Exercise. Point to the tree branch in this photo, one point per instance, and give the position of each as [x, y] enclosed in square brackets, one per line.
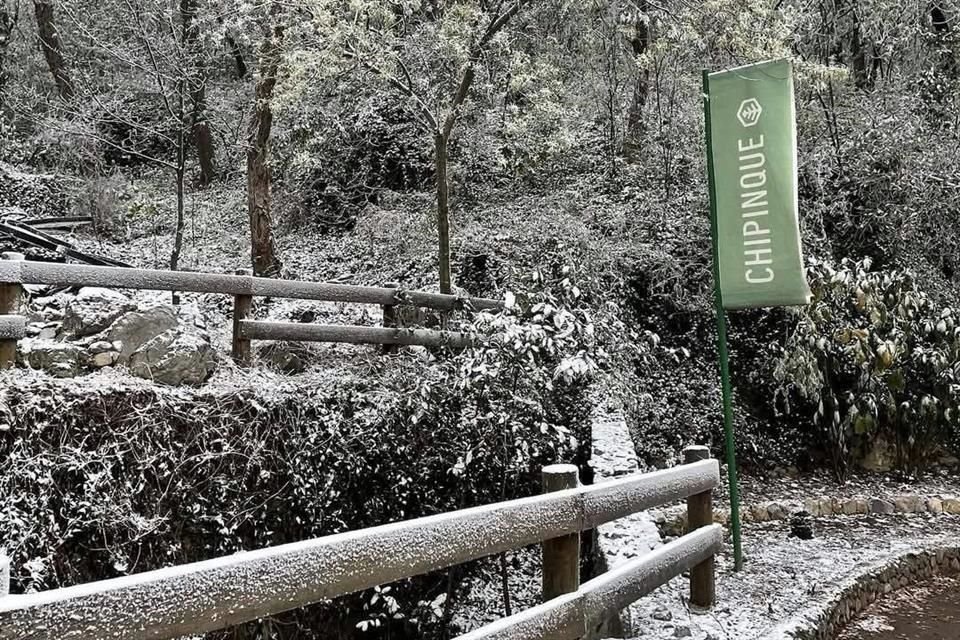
[429, 121]
[476, 51]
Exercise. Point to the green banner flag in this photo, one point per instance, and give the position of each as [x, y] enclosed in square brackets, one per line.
[752, 145]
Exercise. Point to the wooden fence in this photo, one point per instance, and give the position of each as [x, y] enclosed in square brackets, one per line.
[215, 594]
[15, 272]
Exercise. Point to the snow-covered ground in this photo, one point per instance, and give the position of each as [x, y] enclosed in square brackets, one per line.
[783, 577]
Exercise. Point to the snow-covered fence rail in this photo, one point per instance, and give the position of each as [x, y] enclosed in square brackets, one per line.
[215, 594]
[578, 614]
[14, 272]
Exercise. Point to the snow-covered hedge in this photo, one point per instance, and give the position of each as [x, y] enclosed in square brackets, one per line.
[109, 475]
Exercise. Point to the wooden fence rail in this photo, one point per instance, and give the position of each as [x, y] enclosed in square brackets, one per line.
[214, 594]
[577, 614]
[15, 272]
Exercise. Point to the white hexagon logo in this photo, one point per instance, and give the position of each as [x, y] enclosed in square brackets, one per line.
[749, 112]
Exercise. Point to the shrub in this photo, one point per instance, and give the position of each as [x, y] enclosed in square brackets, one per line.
[873, 353]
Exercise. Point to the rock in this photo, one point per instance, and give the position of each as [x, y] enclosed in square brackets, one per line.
[59, 359]
[881, 506]
[812, 506]
[801, 525]
[99, 346]
[43, 330]
[175, 357]
[101, 354]
[949, 461]
[134, 329]
[906, 504]
[855, 506]
[934, 505]
[287, 357]
[759, 513]
[662, 614]
[881, 457]
[682, 631]
[92, 310]
[951, 506]
[49, 331]
[776, 511]
[826, 507]
[105, 359]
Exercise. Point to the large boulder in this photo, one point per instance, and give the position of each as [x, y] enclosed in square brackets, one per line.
[92, 310]
[60, 359]
[175, 357]
[136, 328]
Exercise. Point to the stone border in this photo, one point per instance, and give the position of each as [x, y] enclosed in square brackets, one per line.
[856, 594]
[673, 521]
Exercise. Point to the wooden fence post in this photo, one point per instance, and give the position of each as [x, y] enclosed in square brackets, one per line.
[561, 556]
[700, 514]
[4, 575]
[390, 317]
[9, 305]
[242, 303]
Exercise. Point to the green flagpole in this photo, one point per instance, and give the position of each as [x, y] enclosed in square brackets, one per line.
[722, 344]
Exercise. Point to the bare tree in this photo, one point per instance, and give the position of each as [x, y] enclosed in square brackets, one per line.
[440, 124]
[637, 19]
[150, 47]
[259, 176]
[9, 16]
[197, 80]
[52, 47]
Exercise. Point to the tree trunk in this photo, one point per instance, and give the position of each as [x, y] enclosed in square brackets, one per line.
[179, 174]
[196, 72]
[52, 48]
[202, 138]
[443, 210]
[8, 20]
[859, 57]
[263, 250]
[237, 54]
[639, 44]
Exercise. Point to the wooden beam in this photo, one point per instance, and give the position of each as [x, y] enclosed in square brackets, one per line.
[577, 614]
[260, 330]
[700, 514]
[83, 275]
[12, 327]
[561, 556]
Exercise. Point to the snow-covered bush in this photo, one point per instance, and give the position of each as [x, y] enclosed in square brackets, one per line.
[873, 353]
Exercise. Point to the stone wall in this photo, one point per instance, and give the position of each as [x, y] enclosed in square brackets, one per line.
[626, 538]
[856, 594]
[673, 521]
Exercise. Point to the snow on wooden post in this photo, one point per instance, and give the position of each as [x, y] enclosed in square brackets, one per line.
[390, 317]
[242, 303]
[700, 514]
[4, 575]
[9, 305]
[561, 556]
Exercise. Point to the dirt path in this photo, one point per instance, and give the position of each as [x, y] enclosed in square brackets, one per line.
[928, 611]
